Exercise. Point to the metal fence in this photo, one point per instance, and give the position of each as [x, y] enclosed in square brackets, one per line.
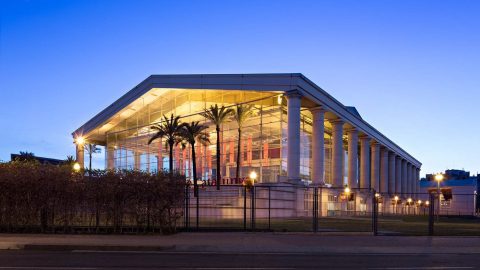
[290, 208]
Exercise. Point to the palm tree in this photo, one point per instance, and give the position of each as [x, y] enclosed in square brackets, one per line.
[241, 114]
[218, 116]
[171, 129]
[91, 149]
[70, 160]
[25, 156]
[195, 132]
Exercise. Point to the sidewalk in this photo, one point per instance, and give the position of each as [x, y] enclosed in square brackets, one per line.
[243, 242]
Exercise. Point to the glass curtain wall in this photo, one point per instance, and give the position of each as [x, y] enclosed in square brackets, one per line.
[263, 143]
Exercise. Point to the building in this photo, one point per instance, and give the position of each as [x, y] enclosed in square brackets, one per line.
[41, 160]
[459, 192]
[299, 133]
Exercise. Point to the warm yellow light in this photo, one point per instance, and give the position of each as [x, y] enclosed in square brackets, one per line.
[377, 195]
[347, 190]
[76, 167]
[79, 140]
[439, 177]
[409, 200]
[396, 198]
[427, 202]
[419, 201]
[279, 100]
[253, 175]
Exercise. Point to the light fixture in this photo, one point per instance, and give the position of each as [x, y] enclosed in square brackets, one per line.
[409, 200]
[347, 190]
[79, 140]
[377, 195]
[427, 202]
[76, 167]
[279, 99]
[253, 175]
[438, 177]
[396, 198]
[419, 201]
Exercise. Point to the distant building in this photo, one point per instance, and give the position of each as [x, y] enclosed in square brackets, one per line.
[42, 160]
[459, 192]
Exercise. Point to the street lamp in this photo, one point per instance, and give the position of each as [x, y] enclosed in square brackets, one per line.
[438, 178]
[396, 202]
[253, 176]
[409, 203]
[76, 167]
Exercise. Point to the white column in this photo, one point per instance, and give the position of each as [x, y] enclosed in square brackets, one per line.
[136, 160]
[364, 162]
[417, 184]
[391, 172]
[80, 154]
[398, 175]
[404, 178]
[337, 152]
[110, 157]
[352, 158]
[293, 133]
[409, 179]
[375, 166]
[384, 170]
[318, 146]
[412, 180]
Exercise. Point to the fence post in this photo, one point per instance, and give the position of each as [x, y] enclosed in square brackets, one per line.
[431, 214]
[197, 220]
[244, 208]
[187, 208]
[315, 209]
[252, 210]
[269, 208]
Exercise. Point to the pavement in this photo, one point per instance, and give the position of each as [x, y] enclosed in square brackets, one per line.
[245, 242]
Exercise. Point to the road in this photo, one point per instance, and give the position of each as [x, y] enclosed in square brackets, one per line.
[103, 260]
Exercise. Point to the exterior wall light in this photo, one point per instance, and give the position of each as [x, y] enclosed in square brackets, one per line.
[79, 140]
[76, 167]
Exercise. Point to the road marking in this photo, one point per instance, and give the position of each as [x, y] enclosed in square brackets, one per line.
[425, 268]
[48, 268]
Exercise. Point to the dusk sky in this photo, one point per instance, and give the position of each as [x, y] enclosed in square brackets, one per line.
[411, 68]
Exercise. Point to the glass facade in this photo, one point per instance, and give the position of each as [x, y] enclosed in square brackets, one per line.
[263, 143]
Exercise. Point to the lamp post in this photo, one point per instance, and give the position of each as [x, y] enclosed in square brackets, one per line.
[347, 195]
[253, 177]
[409, 203]
[438, 178]
[396, 202]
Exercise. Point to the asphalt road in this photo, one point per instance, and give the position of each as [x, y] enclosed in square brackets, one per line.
[91, 260]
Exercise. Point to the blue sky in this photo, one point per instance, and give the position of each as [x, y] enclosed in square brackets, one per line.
[410, 67]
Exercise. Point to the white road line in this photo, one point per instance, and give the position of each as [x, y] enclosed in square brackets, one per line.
[424, 268]
[48, 268]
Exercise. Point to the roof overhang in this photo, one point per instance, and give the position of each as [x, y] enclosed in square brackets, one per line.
[282, 82]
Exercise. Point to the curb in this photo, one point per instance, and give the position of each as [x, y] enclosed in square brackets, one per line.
[36, 247]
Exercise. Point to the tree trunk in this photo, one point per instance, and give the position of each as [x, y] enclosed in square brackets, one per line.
[170, 162]
[219, 176]
[239, 155]
[194, 172]
[90, 163]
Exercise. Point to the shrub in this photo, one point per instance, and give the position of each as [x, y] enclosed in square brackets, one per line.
[36, 197]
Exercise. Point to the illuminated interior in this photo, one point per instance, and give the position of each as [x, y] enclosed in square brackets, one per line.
[263, 143]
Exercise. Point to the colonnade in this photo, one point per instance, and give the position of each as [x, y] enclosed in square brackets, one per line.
[376, 166]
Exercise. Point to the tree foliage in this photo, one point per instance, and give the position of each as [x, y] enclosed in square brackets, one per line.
[36, 197]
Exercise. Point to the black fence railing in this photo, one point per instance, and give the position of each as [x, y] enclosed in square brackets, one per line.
[293, 208]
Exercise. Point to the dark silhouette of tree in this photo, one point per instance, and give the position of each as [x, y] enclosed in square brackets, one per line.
[25, 156]
[170, 129]
[70, 160]
[241, 114]
[195, 132]
[218, 116]
[91, 149]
